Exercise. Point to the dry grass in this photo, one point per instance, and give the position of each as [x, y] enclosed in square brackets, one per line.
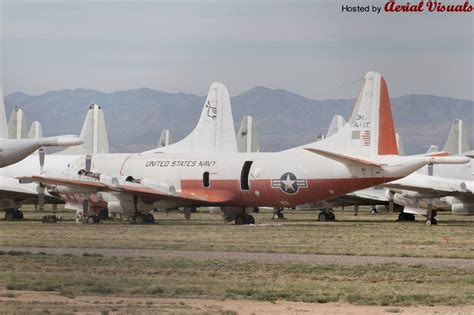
[388, 284]
[362, 235]
[384, 284]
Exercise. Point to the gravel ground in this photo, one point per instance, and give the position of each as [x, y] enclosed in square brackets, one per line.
[267, 258]
[27, 302]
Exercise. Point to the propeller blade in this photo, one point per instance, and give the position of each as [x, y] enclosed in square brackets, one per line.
[41, 155]
[88, 163]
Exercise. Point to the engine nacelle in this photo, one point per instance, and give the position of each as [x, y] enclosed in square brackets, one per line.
[463, 208]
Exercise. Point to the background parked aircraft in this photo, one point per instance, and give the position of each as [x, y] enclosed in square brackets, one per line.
[14, 145]
[14, 195]
[440, 187]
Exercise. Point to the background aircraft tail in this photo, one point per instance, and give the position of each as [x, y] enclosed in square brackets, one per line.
[215, 129]
[36, 131]
[458, 139]
[247, 138]
[370, 131]
[17, 124]
[337, 122]
[165, 138]
[3, 117]
[93, 133]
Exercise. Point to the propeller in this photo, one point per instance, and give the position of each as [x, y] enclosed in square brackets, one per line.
[40, 187]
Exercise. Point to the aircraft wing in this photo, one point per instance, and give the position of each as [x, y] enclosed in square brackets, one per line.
[433, 186]
[149, 194]
[24, 195]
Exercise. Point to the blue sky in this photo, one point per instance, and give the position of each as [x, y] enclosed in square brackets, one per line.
[308, 47]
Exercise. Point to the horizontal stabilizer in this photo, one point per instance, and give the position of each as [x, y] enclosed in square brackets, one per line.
[343, 158]
[447, 159]
[61, 141]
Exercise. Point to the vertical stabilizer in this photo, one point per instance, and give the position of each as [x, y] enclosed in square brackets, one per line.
[165, 138]
[215, 129]
[3, 117]
[36, 131]
[93, 133]
[458, 139]
[337, 122]
[247, 138]
[370, 131]
[17, 124]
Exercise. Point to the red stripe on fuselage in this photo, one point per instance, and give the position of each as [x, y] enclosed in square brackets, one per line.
[261, 192]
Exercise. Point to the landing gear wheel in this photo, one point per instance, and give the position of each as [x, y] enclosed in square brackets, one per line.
[103, 214]
[240, 219]
[322, 216]
[326, 216]
[49, 219]
[251, 219]
[431, 221]
[13, 214]
[150, 218]
[278, 214]
[402, 216]
[9, 215]
[139, 219]
[332, 216]
[92, 219]
[373, 210]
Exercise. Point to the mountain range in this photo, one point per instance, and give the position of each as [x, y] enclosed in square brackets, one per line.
[135, 118]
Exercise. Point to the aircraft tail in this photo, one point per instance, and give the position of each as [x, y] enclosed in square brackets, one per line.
[215, 129]
[36, 131]
[3, 117]
[370, 132]
[17, 124]
[94, 134]
[337, 122]
[458, 139]
[165, 139]
[247, 138]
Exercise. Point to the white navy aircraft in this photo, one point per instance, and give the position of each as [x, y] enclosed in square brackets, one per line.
[361, 154]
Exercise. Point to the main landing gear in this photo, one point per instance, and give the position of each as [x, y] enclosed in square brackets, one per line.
[244, 218]
[13, 214]
[93, 219]
[278, 213]
[326, 215]
[143, 218]
[406, 217]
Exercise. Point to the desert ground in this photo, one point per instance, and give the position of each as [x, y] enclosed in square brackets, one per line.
[365, 264]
